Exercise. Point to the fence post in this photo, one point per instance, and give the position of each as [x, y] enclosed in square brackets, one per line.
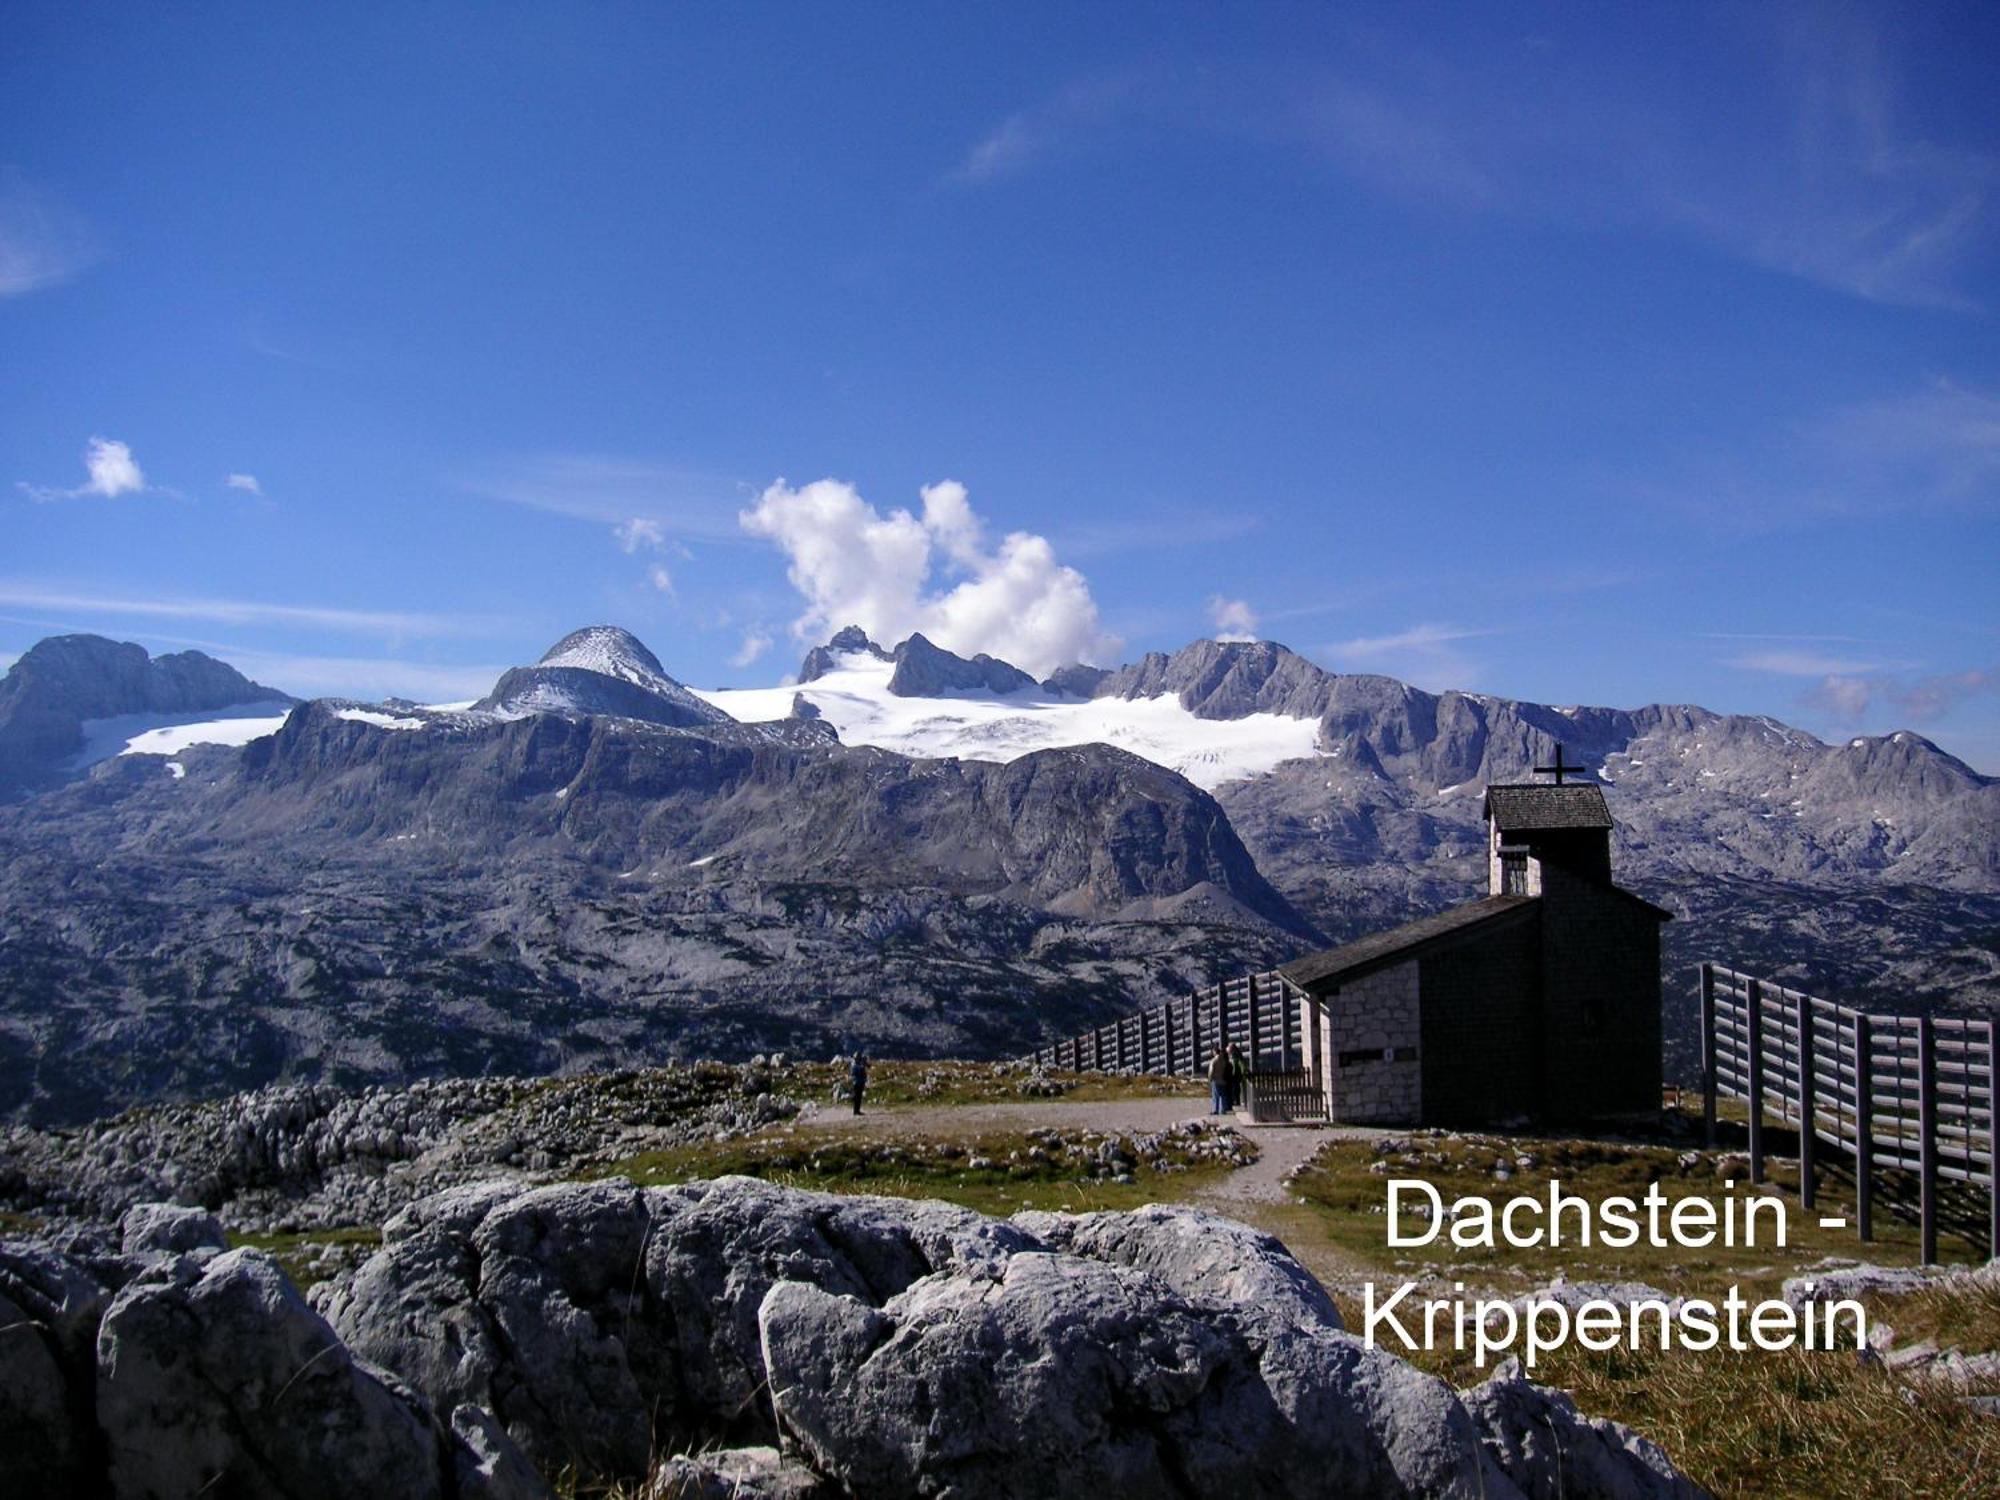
[1927, 1129]
[1251, 1059]
[1993, 1134]
[1864, 1126]
[1708, 1074]
[1756, 1080]
[1807, 1100]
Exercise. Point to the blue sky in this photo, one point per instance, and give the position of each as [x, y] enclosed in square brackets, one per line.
[1564, 352]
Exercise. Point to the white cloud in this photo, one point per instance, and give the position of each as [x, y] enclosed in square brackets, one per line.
[1426, 655]
[637, 532]
[1911, 700]
[755, 644]
[857, 566]
[238, 612]
[1234, 619]
[43, 243]
[245, 482]
[660, 579]
[111, 471]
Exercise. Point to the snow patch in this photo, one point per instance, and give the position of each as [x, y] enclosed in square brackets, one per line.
[856, 700]
[176, 770]
[379, 719]
[170, 734]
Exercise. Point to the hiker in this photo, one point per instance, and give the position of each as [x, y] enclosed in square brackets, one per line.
[858, 1079]
[1239, 1077]
[1218, 1082]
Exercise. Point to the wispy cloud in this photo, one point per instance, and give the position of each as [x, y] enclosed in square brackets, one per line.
[1906, 699]
[239, 612]
[641, 501]
[1428, 655]
[1793, 663]
[110, 471]
[1938, 444]
[1162, 529]
[1233, 619]
[1045, 129]
[1821, 174]
[245, 482]
[756, 642]
[43, 242]
[1935, 449]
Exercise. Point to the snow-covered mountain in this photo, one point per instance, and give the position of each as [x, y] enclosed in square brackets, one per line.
[74, 700]
[599, 669]
[864, 692]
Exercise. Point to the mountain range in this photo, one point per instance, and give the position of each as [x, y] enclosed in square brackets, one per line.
[205, 885]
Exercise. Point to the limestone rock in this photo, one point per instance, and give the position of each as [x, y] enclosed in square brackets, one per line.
[217, 1378]
[1073, 1377]
[737, 1474]
[596, 1320]
[1553, 1452]
[1213, 1262]
[171, 1229]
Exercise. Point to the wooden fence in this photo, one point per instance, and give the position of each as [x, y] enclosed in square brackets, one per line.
[1257, 1012]
[1915, 1094]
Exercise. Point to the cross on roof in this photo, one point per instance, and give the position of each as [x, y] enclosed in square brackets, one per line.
[1559, 769]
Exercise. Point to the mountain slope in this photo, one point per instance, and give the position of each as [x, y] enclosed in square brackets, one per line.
[365, 895]
[66, 683]
[600, 669]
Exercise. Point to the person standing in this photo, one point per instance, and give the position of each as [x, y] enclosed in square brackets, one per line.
[1239, 1078]
[1218, 1082]
[858, 1079]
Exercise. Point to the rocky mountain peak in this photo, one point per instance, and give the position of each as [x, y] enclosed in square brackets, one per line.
[924, 670]
[609, 649]
[63, 682]
[600, 669]
[848, 641]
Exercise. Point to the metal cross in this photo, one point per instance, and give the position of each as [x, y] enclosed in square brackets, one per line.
[1559, 768]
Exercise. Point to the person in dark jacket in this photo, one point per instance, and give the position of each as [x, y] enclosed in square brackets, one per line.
[1239, 1078]
[1218, 1082]
[858, 1079]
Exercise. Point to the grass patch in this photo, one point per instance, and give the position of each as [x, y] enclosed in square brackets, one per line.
[993, 1171]
[1347, 1183]
[1792, 1424]
[305, 1257]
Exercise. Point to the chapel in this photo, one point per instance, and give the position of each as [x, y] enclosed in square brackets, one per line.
[1540, 1001]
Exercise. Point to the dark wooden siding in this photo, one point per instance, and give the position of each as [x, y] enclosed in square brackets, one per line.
[1480, 1027]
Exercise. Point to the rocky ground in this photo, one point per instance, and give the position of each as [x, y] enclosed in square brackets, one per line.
[735, 1337]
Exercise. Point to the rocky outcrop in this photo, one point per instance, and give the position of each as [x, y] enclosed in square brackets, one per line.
[62, 681]
[737, 1338]
[600, 669]
[924, 670]
[170, 1229]
[159, 1374]
[1553, 1452]
[845, 642]
[598, 1320]
[903, 1348]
